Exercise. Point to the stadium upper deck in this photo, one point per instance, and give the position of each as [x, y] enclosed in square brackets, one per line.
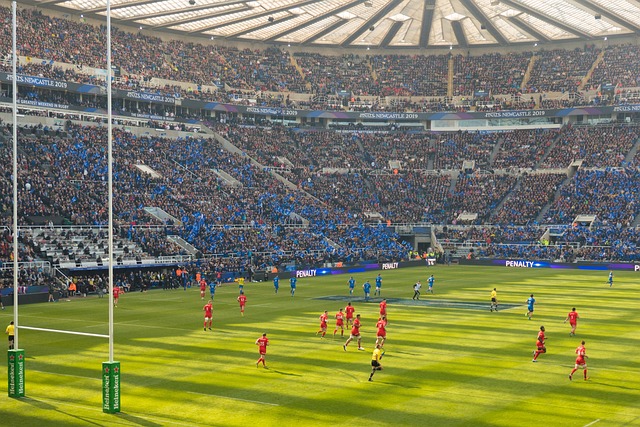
[73, 51]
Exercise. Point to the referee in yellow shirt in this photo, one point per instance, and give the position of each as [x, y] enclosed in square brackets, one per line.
[375, 360]
[494, 300]
[11, 330]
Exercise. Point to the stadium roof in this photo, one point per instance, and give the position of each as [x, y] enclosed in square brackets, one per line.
[375, 23]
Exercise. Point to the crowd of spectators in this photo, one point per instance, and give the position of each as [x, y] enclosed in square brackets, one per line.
[72, 184]
[389, 175]
[413, 196]
[491, 73]
[526, 202]
[609, 194]
[620, 67]
[229, 74]
[415, 75]
[452, 148]
[480, 194]
[323, 216]
[597, 146]
[560, 70]
[523, 148]
[333, 74]
[566, 101]
[570, 243]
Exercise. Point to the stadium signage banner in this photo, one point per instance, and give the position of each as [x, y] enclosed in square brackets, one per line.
[54, 105]
[389, 116]
[355, 268]
[146, 97]
[152, 117]
[626, 109]
[53, 84]
[313, 272]
[515, 114]
[24, 80]
[593, 266]
[389, 265]
[43, 104]
[268, 111]
[521, 264]
[35, 81]
[16, 373]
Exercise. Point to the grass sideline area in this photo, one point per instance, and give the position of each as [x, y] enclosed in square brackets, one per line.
[445, 365]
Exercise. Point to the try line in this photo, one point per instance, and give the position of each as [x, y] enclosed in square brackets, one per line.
[591, 423]
[234, 398]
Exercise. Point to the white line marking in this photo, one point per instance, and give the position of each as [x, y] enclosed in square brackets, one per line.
[234, 398]
[63, 332]
[64, 375]
[591, 423]
[62, 403]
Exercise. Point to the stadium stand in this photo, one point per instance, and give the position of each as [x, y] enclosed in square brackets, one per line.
[257, 193]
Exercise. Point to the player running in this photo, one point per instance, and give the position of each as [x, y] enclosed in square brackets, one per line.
[494, 300]
[203, 288]
[293, 281]
[242, 299]
[208, 314]
[262, 344]
[383, 308]
[116, 295]
[339, 323]
[212, 289]
[324, 317]
[430, 281]
[349, 310]
[381, 335]
[355, 334]
[580, 362]
[378, 286]
[610, 280]
[367, 290]
[540, 345]
[352, 285]
[572, 317]
[276, 283]
[530, 302]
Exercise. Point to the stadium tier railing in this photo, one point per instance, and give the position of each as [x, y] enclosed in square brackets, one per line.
[45, 266]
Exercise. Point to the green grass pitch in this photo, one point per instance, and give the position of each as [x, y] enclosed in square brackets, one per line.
[446, 364]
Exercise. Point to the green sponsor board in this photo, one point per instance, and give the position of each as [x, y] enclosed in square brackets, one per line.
[110, 387]
[16, 373]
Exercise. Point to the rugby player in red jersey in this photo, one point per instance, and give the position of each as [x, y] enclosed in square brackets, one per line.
[203, 288]
[540, 345]
[324, 317]
[262, 344]
[349, 310]
[580, 361]
[355, 334]
[383, 308]
[339, 323]
[116, 295]
[242, 299]
[381, 336]
[208, 316]
[572, 317]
